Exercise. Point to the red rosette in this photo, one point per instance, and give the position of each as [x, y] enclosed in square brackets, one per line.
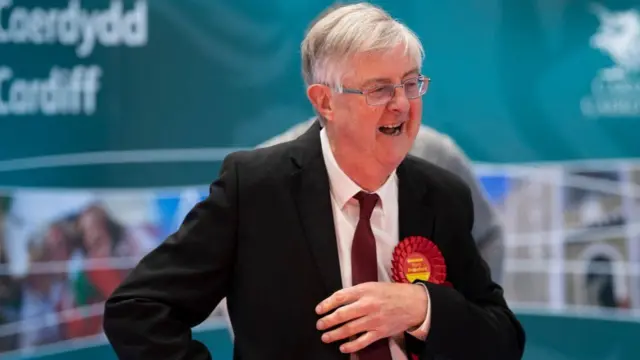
[418, 258]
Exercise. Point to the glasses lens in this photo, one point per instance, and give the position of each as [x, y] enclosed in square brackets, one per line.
[414, 88]
[380, 95]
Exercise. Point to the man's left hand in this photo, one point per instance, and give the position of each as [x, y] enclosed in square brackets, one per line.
[375, 310]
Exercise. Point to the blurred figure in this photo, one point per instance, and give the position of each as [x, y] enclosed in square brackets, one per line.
[46, 290]
[441, 150]
[10, 296]
[102, 236]
[100, 240]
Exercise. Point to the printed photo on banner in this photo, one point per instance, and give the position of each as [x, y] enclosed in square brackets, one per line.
[596, 240]
[62, 253]
[572, 233]
[527, 200]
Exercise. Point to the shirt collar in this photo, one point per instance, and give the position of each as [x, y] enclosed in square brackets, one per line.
[342, 187]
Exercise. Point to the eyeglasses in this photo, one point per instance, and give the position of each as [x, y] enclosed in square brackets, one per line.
[382, 94]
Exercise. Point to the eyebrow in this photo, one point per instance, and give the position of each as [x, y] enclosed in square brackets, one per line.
[415, 71]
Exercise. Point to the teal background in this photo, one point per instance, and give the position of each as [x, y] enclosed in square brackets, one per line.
[225, 74]
[508, 77]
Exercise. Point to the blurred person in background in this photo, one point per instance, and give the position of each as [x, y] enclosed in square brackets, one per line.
[292, 232]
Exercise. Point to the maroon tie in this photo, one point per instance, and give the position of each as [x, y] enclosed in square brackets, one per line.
[364, 267]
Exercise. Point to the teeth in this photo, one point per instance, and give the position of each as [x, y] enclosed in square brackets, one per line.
[392, 130]
[391, 126]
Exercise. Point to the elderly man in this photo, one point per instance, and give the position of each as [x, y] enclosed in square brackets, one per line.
[335, 245]
[440, 149]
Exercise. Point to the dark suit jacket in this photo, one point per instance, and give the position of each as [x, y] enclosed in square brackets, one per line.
[265, 239]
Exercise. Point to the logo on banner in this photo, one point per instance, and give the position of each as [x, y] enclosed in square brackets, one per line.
[615, 91]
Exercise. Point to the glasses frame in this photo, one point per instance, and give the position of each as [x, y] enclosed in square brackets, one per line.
[426, 82]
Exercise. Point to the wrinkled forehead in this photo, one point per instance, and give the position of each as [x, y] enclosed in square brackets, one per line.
[388, 66]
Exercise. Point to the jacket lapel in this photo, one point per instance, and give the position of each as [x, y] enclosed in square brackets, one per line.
[310, 187]
[416, 218]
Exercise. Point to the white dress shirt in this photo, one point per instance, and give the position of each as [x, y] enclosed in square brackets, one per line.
[384, 223]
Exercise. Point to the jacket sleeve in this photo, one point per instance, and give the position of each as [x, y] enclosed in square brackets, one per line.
[472, 320]
[178, 284]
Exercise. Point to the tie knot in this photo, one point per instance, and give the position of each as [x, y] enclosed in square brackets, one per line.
[367, 203]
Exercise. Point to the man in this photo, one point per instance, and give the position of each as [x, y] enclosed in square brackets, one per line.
[441, 150]
[300, 236]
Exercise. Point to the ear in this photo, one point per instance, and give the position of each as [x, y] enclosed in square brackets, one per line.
[320, 97]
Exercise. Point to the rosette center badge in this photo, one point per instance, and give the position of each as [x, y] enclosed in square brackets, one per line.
[418, 258]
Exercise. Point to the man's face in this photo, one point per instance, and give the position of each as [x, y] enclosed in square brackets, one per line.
[361, 129]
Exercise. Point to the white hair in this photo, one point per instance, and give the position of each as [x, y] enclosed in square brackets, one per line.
[343, 31]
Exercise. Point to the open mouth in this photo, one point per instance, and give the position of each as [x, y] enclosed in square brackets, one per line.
[392, 130]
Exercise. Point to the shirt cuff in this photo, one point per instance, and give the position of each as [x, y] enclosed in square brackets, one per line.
[423, 330]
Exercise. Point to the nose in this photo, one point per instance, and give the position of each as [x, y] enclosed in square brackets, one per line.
[399, 103]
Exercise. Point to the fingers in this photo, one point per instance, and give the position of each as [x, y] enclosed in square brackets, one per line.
[351, 328]
[360, 343]
[358, 313]
[343, 315]
[339, 298]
